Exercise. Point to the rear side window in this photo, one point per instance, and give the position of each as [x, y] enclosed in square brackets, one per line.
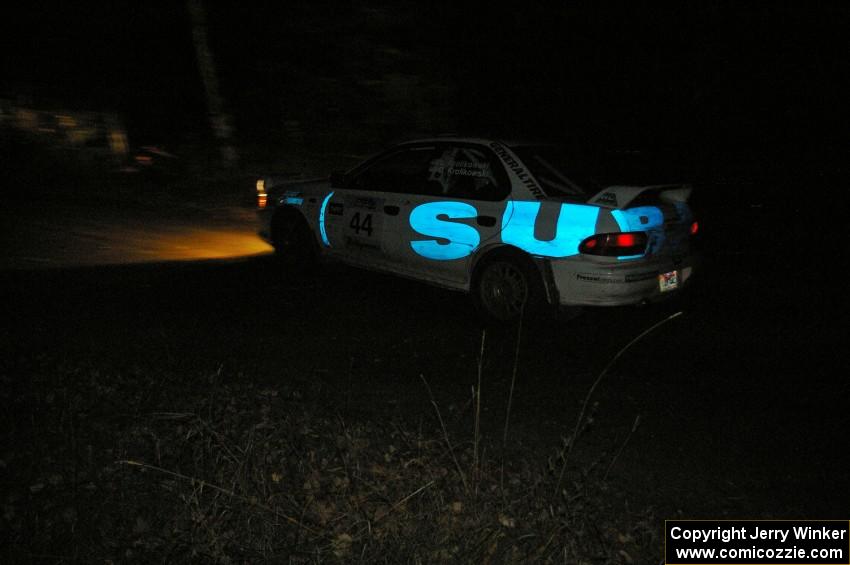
[467, 172]
[559, 175]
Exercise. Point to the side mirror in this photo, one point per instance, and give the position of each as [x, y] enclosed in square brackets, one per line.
[338, 179]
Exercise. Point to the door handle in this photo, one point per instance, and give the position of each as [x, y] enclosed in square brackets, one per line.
[391, 210]
[486, 221]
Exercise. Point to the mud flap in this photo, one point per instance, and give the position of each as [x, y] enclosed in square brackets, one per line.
[544, 266]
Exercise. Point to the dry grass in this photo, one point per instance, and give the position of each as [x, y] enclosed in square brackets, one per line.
[164, 467]
[245, 475]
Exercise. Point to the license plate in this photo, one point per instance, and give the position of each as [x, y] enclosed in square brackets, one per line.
[668, 281]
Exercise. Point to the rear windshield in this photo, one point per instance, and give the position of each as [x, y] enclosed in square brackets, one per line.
[578, 176]
[558, 175]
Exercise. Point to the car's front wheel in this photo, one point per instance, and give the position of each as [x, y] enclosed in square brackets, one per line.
[505, 288]
[294, 245]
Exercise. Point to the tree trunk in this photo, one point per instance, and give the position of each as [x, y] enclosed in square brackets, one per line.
[220, 122]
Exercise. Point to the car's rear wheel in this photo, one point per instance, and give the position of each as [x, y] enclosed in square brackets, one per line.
[294, 245]
[506, 287]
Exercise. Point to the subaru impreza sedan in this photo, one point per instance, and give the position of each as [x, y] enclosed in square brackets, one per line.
[517, 226]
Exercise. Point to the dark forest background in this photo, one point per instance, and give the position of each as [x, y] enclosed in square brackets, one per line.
[726, 86]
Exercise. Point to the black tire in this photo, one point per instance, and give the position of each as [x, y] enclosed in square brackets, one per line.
[294, 244]
[505, 287]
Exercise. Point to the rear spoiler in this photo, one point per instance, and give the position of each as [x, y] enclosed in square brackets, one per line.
[622, 196]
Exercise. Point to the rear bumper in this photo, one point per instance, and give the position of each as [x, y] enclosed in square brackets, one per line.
[581, 282]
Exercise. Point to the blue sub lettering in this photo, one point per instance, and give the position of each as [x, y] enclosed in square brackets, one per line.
[575, 223]
[432, 219]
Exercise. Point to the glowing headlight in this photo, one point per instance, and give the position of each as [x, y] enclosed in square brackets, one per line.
[262, 197]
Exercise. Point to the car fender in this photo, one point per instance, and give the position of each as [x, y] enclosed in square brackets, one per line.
[541, 264]
[284, 212]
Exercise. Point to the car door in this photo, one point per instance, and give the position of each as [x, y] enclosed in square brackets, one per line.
[361, 218]
[457, 209]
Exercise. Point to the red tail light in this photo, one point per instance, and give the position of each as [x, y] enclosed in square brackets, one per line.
[614, 244]
[694, 228]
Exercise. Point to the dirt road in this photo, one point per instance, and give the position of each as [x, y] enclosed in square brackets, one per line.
[56, 234]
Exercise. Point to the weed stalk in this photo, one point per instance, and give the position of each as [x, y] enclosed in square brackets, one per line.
[446, 435]
[476, 463]
[599, 378]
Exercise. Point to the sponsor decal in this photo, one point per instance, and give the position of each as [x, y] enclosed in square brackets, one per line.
[448, 231]
[517, 170]
[584, 277]
[292, 200]
[589, 277]
[641, 218]
[469, 169]
[361, 243]
[367, 203]
[609, 198]
[575, 223]
[456, 240]
[637, 277]
[466, 172]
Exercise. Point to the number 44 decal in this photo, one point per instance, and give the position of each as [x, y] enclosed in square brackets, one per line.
[365, 225]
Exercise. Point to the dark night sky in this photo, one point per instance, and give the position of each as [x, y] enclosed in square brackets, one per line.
[706, 77]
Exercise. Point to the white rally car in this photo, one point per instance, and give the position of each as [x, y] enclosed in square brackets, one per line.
[516, 225]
